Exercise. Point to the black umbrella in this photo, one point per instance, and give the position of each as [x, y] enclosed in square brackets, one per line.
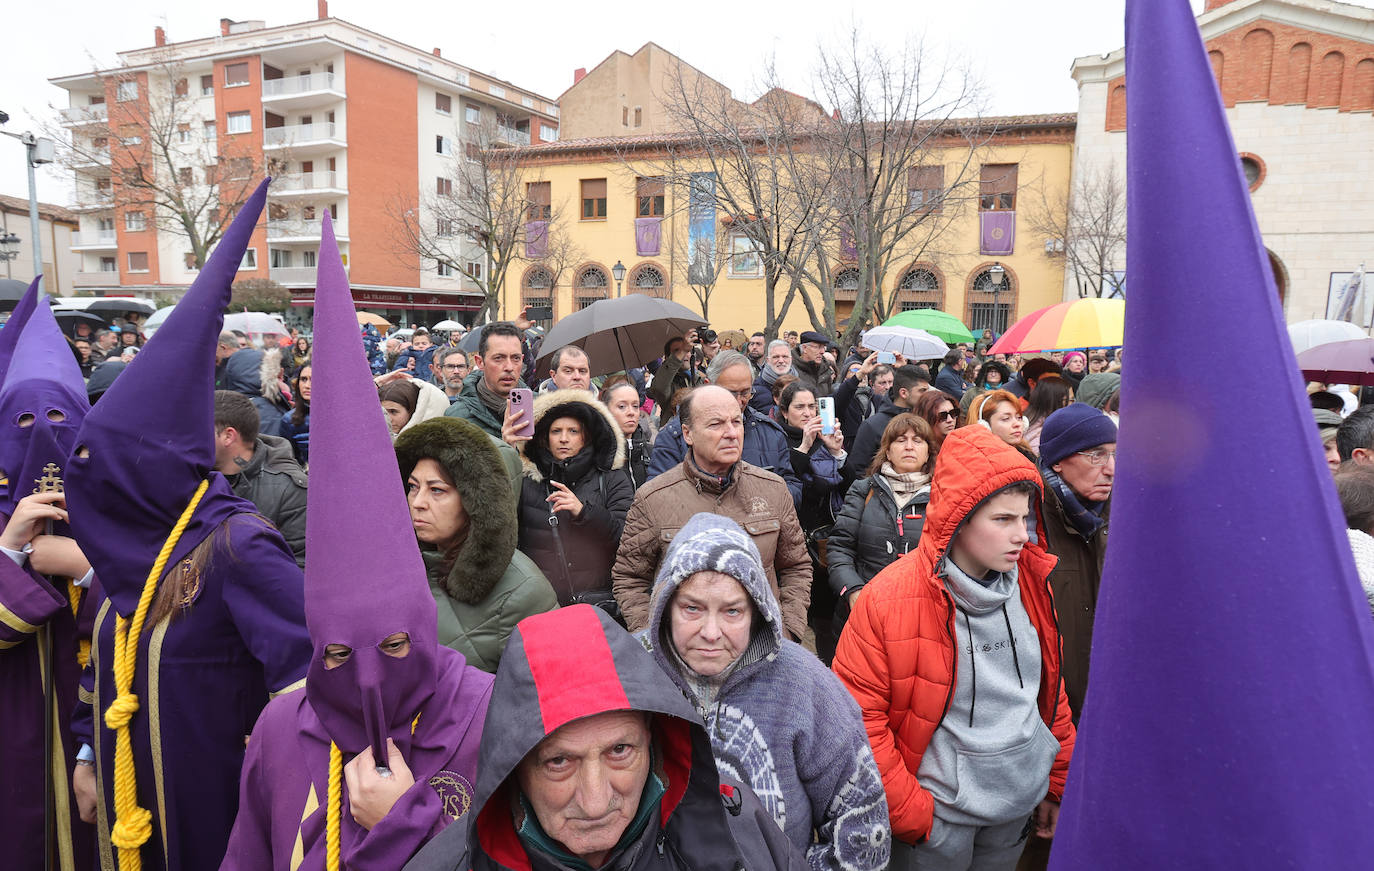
[11, 289]
[469, 342]
[622, 333]
[68, 318]
[114, 305]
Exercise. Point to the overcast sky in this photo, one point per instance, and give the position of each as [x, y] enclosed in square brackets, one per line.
[1021, 49]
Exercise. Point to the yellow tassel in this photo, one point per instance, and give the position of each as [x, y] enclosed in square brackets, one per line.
[133, 824]
[333, 808]
[83, 648]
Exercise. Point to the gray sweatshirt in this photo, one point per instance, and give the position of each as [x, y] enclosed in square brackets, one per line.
[989, 761]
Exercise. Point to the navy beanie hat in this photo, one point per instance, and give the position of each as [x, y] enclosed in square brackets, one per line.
[1075, 427]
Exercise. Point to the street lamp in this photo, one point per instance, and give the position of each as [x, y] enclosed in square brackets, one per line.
[997, 276]
[38, 151]
[9, 247]
[618, 270]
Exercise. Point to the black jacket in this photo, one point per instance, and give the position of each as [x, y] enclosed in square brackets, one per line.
[275, 483]
[866, 538]
[869, 437]
[638, 448]
[575, 552]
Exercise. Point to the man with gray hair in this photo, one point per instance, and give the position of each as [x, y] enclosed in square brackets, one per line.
[449, 368]
[765, 444]
[225, 347]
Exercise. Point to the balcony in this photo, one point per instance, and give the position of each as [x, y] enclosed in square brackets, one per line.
[91, 159]
[301, 92]
[102, 240]
[512, 136]
[303, 231]
[79, 116]
[294, 276]
[95, 279]
[91, 201]
[304, 139]
[308, 184]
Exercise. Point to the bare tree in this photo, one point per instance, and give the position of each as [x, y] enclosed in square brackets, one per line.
[904, 150]
[166, 158]
[259, 294]
[1086, 225]
[486, 209]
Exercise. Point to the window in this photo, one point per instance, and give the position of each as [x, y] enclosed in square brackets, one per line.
[240, 122]
[308, 258]
[211, 174]
[183, 133]
[126, 91]
[744, 257]
[235, 75]
[649, 197]
[639, 116]
[181, 88]
[649, 280]
[105, 225]
[445, 270]
[210, 130]
[474, 269]
[130, 134]
[847, 280]
[925, 188]
[443, 145]
[527, 102]
[443, 186]
[624, 116]
[138, 261]
[593, 199]
[547, 133]
[443, 227]
[592, 285]
[538, 290]
[539, 194]
[919, 288]
[443, 104]
[135, 222]
[107, 264]
[188, 261]
[278, 258]
[990, 303]
[207, 86]
[497, 91]
[997, 187]
[472, 152]
[473, 114]
[185, 177]
[250, 259]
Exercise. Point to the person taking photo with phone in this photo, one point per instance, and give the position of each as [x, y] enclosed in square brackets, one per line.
[486, 391]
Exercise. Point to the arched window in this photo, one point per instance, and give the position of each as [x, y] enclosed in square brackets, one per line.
[990, 303]
[919, 287]
[647, 278]
[592, 285]
[537, 291]
[847, 282]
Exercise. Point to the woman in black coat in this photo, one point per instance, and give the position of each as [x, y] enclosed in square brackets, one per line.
[623, 401]
[574, 495]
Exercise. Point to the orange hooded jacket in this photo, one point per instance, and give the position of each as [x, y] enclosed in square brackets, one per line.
[897, 653]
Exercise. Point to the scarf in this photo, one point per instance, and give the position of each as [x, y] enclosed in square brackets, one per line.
[905, 485]
[495, 402]
[1087, 519]
[769, 376]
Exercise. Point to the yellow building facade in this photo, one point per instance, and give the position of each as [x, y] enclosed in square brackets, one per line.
[599, 198]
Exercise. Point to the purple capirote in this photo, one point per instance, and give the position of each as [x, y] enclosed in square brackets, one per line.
[1229, 719]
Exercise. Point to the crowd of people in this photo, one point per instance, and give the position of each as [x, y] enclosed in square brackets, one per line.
[374, 605]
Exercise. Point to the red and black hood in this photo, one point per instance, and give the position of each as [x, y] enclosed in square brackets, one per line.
[562, 666]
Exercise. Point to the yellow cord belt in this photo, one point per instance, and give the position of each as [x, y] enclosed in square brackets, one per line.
[133, 824]
[334, 810]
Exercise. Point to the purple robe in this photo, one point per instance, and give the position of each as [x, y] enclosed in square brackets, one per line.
[36, 616]
[285, 786]
[203, 677]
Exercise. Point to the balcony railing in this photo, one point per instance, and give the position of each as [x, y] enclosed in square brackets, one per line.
[297, 133]
[89, 199]
[306, 181]
[76, 115]
[99, 239]
[306, 229]
[294, 276]
[96, 279]
[513, 136]
[291, 85]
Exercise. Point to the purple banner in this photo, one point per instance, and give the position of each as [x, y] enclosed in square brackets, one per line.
[997, 233]
[849, 248]
[536, 239]
[648, 236]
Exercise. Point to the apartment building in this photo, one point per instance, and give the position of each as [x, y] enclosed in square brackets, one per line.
[346, 120]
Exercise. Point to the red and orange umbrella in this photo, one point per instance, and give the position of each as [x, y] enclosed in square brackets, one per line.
[1079, 323]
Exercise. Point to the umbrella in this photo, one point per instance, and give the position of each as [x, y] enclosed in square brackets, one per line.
[911, 343]
[119, 306]
[11, 290]
[1349, 362]
[942, 325]
[381, 323]
[68, 318]
[621, 333]
[155, 320]
[469, 342]
[1310, 334]
[255, 324]
[1079, 323]
[448, 326]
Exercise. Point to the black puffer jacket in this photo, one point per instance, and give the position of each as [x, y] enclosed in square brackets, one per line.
[575, 552]
[867, 537]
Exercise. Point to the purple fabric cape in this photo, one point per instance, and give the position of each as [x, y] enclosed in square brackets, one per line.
[9, 337]
[1229, 718]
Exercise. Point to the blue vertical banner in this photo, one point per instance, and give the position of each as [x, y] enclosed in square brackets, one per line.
[701, 229]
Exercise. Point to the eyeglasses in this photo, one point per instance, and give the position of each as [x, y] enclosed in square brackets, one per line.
[453, 367]
[1098, 457]
[947, 415]
[746, 393]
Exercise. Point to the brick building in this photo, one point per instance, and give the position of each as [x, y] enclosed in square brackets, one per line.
[1297, 77]
[347, 120]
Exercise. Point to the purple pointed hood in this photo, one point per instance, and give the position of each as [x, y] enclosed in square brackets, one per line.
[1229, 719]
[42, 404]
[9, 336]
[364, 579]
[151, 439]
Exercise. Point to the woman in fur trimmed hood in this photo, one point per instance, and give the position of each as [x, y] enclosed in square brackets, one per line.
[463, 510]
[574, 495]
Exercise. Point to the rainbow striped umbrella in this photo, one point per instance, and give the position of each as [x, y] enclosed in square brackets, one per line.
[1079, 323]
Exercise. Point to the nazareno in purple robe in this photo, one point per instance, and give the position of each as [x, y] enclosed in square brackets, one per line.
[281, 819]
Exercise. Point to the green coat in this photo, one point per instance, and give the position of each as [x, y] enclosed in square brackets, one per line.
[479, 630]
[469, 406]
